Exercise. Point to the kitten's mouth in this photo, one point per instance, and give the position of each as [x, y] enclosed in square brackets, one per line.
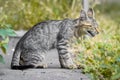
[91, 33]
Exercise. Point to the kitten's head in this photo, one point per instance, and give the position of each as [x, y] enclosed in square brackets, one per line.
[87, 24]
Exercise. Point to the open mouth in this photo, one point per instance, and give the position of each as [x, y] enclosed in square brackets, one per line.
[91, 33]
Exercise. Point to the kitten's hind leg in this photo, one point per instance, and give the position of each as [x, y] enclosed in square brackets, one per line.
[36, 58]
[41, 66]
[42, 61]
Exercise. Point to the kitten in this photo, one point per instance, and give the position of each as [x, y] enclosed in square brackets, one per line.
[31, 48]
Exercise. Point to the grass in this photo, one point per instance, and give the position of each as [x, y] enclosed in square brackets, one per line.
[99, 56]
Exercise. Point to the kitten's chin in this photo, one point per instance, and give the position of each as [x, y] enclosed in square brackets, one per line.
[87, 36]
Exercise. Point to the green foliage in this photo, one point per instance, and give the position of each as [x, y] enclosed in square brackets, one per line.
[101, 59]
[2, 59]
[23, 14]
[4, 44]
[5, 31]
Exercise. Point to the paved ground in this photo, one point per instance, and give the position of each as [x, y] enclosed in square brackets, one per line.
[54, 72]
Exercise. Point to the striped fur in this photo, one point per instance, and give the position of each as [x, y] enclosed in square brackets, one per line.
[31, 48]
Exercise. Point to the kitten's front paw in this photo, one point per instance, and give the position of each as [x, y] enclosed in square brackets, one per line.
[68, 64]
[73, 66]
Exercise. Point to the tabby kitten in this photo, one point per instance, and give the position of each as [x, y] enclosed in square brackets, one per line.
[31, 48]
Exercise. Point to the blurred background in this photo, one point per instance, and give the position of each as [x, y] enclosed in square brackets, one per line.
[100, 56]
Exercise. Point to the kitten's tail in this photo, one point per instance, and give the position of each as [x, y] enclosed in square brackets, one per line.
[16, 57]
[22, 67]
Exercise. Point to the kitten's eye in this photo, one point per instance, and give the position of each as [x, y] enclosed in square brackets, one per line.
[90, 26]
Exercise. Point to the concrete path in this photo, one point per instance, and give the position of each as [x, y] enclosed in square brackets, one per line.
[53, 72]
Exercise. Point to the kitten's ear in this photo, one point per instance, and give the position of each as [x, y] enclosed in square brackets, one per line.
[90, 12]
[82, 14]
